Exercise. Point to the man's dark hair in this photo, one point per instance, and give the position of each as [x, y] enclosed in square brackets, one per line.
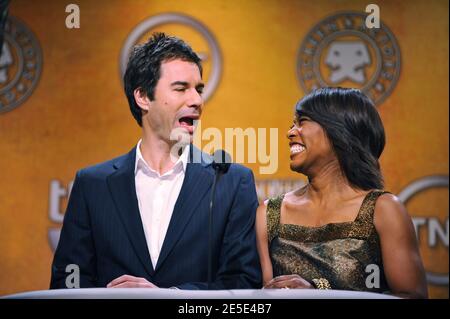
[144, 66]
[354, 128]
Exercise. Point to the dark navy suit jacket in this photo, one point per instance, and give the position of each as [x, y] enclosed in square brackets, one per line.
[103, 234]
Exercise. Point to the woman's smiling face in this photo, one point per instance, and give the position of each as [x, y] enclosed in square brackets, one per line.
[309, 145]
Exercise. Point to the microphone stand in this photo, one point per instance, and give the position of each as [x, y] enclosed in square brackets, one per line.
[221, 167]
[213, 191]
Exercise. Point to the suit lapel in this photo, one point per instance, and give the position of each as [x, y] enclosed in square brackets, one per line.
[196, 184]
[121, 184]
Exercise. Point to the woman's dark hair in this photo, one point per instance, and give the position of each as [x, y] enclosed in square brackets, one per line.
[354, 128]
[144, 66]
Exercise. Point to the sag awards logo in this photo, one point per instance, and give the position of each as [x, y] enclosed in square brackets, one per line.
[211, 56]
[434, 230]
[20, 64]
[342, 51]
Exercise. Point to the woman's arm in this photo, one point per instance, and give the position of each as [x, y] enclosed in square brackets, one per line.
[401, 258]
[262, 243]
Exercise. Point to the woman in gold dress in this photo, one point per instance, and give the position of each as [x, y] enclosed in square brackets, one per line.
[341, 230]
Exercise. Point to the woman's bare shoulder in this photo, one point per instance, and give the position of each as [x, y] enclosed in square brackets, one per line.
[390, 212]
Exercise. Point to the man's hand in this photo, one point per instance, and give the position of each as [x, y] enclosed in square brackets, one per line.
[127, 281]
[288, 282]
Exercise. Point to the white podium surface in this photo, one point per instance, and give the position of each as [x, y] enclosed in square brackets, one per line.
[161, 293]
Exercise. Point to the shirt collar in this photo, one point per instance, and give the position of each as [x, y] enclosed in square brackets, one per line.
[140, 162]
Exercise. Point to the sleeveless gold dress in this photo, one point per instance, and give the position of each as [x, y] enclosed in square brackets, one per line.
[338, 252]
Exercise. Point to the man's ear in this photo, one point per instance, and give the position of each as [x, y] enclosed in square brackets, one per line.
[142, 99]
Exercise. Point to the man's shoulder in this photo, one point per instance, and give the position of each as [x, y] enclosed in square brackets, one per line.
[207, 159]
[106, 168]
[240, 170]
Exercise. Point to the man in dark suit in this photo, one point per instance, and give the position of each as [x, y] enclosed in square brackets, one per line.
[141, 220]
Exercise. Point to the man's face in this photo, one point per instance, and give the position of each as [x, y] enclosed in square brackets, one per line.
[177, 100]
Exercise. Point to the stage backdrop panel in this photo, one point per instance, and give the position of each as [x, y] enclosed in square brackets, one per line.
[62, 105]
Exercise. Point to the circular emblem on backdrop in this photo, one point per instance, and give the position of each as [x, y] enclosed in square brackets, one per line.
[20, 64]
[214, 57]
[410, 191]
[341, 51]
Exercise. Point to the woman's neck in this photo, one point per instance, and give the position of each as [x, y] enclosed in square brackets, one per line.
[329, 185]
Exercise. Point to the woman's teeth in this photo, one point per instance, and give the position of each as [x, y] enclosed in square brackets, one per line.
[296, 148]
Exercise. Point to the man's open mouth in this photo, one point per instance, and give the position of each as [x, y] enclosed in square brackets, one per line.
[186, 121]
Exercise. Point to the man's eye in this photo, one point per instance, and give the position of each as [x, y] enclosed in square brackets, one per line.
[200, 91]
[180, 89]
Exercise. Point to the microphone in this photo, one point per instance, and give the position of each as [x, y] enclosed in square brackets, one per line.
[221, 164]
[221, 161]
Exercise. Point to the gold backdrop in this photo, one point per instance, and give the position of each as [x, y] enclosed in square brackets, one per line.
[77, 114]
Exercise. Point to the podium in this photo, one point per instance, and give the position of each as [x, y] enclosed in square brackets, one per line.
[162, 293]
